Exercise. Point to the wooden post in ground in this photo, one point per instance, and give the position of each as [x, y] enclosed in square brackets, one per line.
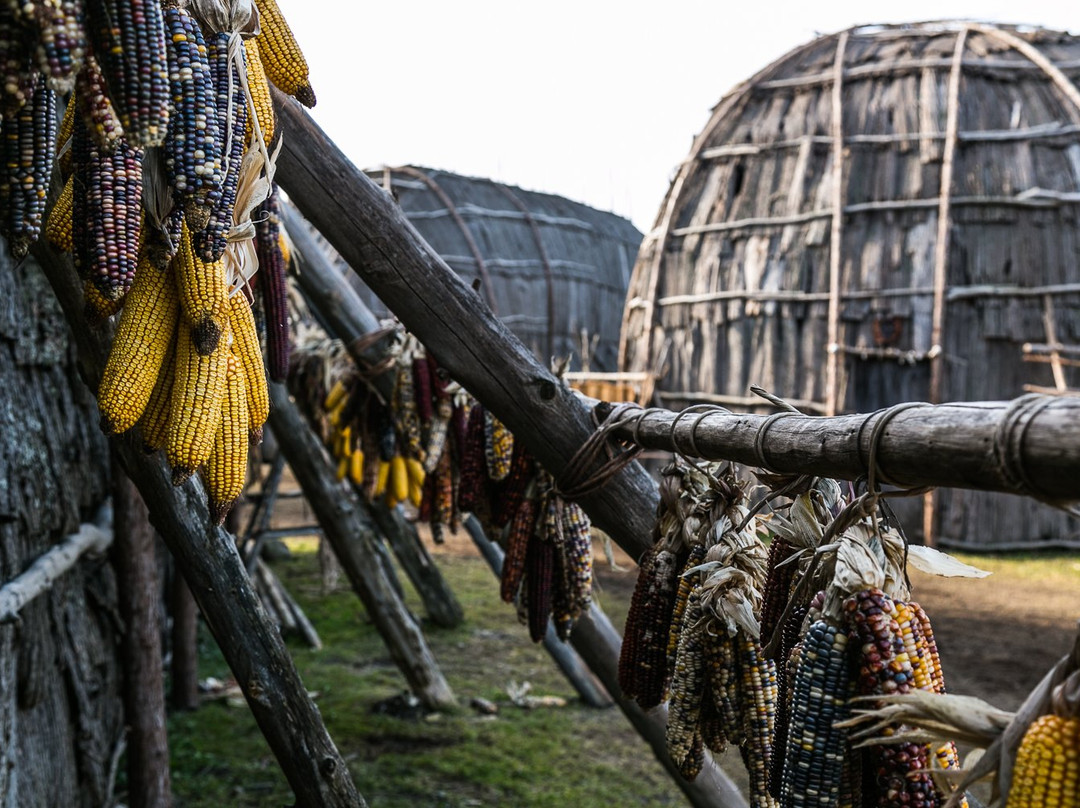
[184, 692]
[207, 558]
[149, 785]
[346, 526]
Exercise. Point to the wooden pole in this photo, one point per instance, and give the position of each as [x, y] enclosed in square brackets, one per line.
[597, 642]
[366, 228]
[346, 525]
[349, 319]
[1027, 446]
[207, 558]
[836, 236]
[149, 784]
[184, 693]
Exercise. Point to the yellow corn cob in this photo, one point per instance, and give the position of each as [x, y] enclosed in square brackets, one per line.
[138, 350]
[262, 104]
[356, 467]
[417, 475]
[246, 346]
[1047, 769]
[344, 448]
[342, 469]
[154, 423]
[399, 479]
[195, 403]
[203, 294]
[382, 479]
[58, 227]
[99, 308]
[283, 246]
[226, 468]
[335, 396]
[285, 64]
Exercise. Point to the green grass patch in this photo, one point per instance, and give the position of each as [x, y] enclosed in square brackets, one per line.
[571, 755]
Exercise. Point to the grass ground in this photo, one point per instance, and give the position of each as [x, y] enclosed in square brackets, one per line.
[997, 636]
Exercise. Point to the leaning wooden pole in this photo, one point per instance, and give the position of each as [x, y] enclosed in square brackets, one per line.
[347, 527]
[366, 228]
[363, 224]
[208, 560]
[349, 319]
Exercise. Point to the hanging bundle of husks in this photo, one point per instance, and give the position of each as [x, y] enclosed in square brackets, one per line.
[764, 631]
[166, 137]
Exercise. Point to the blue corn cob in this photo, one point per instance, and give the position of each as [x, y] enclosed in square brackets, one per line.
[209, 242]
[192, 143]
[28, 144]
[128, 37]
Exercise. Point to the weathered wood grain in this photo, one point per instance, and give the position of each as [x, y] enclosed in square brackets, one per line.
[361, 222]
[210, 564]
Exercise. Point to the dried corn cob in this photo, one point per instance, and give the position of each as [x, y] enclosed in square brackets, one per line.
[63, 138]
[687, 688]
[28, 146]
[95, 107]
[58, 225]
[246, 347]
[815, 749]
[474, 481]
[406, 418]
[232, 112]
[203, 295]
[138, 350]
[443, 506]
[107, 217]
[128, 36]
[512, 490]
[398, 490]
[710, 725]
[723, 673]
[577, 555]
[438, 433]
[262, 105]
[518, 537]
[791, 629]
[757, 680]
[285, 64]
[195, 403]
[539, 578]
[687, 581]
[498, 448]
[97, 308]
[1047, 768]
[226, 468]
[154, 424]
[422, 389]
[273, 285]
[163, 242]
[193, 143]
[777, 586]
[61, 40]
[17, 72]
[643, 675]
[417, 479]
[933, 660]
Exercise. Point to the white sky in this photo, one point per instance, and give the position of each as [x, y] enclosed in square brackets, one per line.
[595, 101]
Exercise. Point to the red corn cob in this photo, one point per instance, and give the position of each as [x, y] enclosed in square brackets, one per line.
[512, 489]
[777, 586]
[518, 537]
[422, 388]
[273, 285]
[473, 488]
[540, 573]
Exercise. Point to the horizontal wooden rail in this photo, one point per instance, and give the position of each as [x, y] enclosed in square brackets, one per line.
[1027, 446]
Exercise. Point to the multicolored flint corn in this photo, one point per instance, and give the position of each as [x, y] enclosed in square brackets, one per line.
[27, 149]
[777, 586]
[285, 64]
[107, 217]
[60, 31]
[232, 112]
[474, 480]
[92, 102]
[518, 537]
[688, 685]
[128, 36]
[18, 71]
[193, 142]
[816, 747]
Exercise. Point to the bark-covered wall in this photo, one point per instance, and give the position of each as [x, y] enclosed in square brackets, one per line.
[60, 708]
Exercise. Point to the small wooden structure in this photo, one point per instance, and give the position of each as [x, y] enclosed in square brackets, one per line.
[885, 214]
[553, 270]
